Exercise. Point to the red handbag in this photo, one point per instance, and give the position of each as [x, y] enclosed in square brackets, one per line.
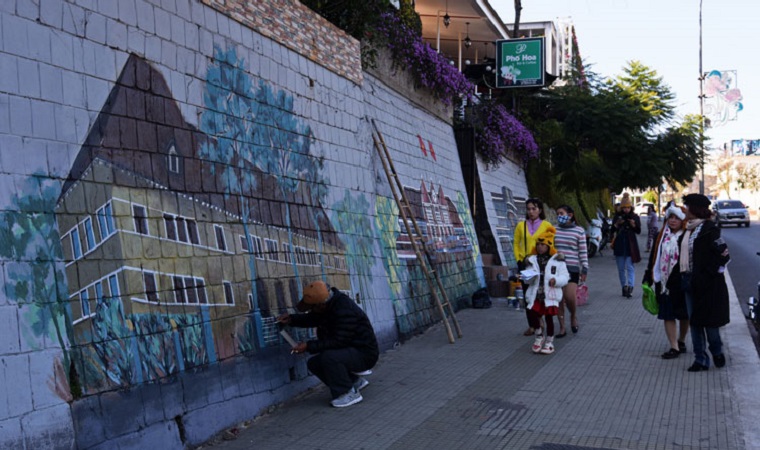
[581, 295]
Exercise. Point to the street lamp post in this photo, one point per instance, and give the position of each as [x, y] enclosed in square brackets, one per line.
[701, 106]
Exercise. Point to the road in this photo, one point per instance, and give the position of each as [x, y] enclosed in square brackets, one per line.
[744, 243]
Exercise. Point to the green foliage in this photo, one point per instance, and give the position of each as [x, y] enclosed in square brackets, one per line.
[34, 272]
[650, 196]
[351, 218]
[611, 134]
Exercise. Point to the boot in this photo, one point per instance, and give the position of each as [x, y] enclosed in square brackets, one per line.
[625, 291]
[629, 291]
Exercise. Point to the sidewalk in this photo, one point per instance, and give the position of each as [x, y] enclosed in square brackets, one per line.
[606, 387]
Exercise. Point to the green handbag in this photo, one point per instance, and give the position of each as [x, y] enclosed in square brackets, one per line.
[649, 300]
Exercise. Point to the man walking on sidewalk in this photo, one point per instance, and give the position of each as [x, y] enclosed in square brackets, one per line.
[345, 344]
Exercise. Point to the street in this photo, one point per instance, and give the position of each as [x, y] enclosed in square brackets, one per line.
[744, 244]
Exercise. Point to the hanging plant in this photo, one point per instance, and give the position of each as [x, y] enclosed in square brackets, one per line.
[499, 134]
[429, 69]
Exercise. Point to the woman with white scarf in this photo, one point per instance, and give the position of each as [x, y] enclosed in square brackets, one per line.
[702, 260]
[663, 272]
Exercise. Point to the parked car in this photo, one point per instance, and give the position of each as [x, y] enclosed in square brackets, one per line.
[731, 212]
[643, 208]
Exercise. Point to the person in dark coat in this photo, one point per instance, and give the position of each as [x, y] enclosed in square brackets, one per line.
[345, 344]
[627, 225]
[702, 261]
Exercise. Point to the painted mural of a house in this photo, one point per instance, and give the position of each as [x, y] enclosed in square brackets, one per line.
[159, 261]
[438, 220]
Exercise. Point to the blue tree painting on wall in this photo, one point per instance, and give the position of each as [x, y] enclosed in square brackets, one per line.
[254, 130]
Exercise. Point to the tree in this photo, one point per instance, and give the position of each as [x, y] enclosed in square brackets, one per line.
[35, 278]
[228, 120]
[724, 167]
[352, 219]
[613, 133]
[283, 145]
[748, 177]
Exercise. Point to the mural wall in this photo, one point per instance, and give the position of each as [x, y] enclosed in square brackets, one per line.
[172, 179]
[504, 192]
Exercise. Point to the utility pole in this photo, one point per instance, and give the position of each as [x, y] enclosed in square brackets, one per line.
[701, 106]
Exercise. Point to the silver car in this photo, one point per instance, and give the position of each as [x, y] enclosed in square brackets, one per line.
[731, 212]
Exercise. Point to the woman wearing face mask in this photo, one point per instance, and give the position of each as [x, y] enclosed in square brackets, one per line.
[570, 241]
[525, 238]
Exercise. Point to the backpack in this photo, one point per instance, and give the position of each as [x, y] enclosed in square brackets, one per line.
[481, 299]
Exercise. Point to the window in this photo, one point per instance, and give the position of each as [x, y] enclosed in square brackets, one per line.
[192, 231]
[171, 227]
[181, 229]
[105, 221]
[84, 297]
[200, 290]
[258, 249]
[272, 250]
[99, 292]
[244, 244]
[151, 290]
[113, 284]
[286, 251]
[179, 290]
[228, 298]
[89, 234]
[192, 297]
[173, 160]
[189, 290]
[140, 216]
[221, 242]
[76, 244]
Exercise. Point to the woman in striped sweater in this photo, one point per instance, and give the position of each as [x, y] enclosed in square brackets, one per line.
[570, 240]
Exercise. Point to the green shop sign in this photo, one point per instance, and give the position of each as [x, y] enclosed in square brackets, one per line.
[520, 63]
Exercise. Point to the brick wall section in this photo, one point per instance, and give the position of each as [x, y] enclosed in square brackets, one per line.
[301, 30]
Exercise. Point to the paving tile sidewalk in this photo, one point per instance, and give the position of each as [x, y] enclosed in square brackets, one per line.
[606, 387]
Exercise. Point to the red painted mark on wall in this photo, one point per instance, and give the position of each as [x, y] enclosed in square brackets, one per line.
[428, 148]
[432, 152]
[422, 145]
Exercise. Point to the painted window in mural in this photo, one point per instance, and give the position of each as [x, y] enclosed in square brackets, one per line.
[76, 243]
[105, 221]
[272, 253]
[221, 241]
[89, 234]
[228, 297]
[151, 289]
[173, 160]
[84, 299]
[140, 218]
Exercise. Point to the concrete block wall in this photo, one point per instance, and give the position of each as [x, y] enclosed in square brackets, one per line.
[62, 66]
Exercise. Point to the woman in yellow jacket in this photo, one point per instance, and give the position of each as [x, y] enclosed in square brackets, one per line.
[526, 232]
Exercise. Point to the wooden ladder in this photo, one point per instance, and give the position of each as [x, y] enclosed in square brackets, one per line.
[415, 236]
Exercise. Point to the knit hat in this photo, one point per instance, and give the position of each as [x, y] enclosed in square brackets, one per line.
[626, 201]
[313, 294]
[547, 238]
[674, 210]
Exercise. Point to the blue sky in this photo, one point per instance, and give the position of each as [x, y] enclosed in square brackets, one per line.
[664, 35]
